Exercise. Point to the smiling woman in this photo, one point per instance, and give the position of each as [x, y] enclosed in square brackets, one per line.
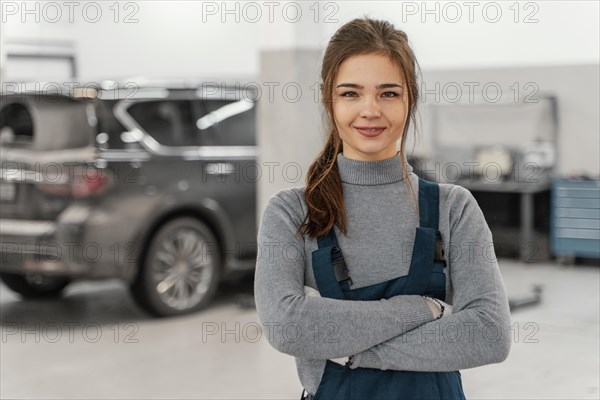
[378, 251]
[369, 107]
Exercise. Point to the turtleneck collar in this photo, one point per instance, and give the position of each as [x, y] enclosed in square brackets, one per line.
[369, 173]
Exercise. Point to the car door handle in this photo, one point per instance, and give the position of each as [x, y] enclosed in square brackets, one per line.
[219, 168]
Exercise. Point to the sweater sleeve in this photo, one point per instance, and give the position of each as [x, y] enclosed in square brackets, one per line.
[315, 327]
[478, 330]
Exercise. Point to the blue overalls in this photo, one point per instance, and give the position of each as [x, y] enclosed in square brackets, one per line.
[425, 277]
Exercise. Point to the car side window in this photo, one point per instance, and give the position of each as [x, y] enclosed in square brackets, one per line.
[170, 122]
[225, 122]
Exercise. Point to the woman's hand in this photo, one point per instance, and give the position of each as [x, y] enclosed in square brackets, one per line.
[342, 360]
[435, 310]
[310, 292]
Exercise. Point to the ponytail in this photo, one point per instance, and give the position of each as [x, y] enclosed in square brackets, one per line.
[323, 194]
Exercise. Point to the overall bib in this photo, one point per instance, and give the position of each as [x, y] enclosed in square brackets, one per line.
[426, 277]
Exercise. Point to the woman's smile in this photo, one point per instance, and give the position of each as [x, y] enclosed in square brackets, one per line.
[369, 132]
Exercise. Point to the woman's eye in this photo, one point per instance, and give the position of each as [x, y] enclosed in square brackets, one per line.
[391, 94]
[348, 94]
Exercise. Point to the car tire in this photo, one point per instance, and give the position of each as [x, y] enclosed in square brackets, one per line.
[35, 286]
[180, 270]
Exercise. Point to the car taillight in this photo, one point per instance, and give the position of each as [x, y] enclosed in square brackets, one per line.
[76, 182]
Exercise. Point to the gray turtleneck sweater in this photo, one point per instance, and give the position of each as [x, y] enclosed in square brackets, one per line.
[398, 333]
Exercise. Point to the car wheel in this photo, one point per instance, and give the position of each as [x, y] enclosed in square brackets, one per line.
[35, 286]
[181, 269]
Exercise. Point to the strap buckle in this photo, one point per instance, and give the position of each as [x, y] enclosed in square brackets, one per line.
[339, 266]
[439, 255]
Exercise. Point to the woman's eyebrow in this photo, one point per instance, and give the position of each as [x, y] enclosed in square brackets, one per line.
[380, 86]
[388, 85]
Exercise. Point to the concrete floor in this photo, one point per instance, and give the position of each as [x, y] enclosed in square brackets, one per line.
[95, 344]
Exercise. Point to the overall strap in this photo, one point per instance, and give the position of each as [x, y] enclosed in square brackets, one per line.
[429, 210]
[426, 236]
[328, 240]
[429, 198]
[329, 267]
[429, 214]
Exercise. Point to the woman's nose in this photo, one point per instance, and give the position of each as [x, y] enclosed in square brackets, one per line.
[370, 108]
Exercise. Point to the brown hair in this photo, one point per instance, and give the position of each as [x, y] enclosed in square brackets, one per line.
[323, 193]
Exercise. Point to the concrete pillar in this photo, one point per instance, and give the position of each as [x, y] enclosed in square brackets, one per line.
[290, 132]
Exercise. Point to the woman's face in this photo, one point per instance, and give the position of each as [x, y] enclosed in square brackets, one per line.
[370, 106]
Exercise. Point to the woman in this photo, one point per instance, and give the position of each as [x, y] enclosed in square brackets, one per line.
[358, 269]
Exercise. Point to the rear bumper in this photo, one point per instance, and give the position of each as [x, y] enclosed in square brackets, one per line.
[53, 248]
[31, 247]
[24, 228]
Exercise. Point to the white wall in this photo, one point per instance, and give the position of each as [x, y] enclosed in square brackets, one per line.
[169, 39]
[189, 39]
[566, 32]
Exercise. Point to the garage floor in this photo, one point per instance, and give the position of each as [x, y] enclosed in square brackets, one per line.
[95, 344]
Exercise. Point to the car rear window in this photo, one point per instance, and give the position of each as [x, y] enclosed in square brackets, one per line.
[16, 125]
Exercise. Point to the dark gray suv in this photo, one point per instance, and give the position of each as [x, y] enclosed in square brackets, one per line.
[152, 184]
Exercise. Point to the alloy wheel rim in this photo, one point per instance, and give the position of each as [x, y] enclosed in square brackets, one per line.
[182, 269]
